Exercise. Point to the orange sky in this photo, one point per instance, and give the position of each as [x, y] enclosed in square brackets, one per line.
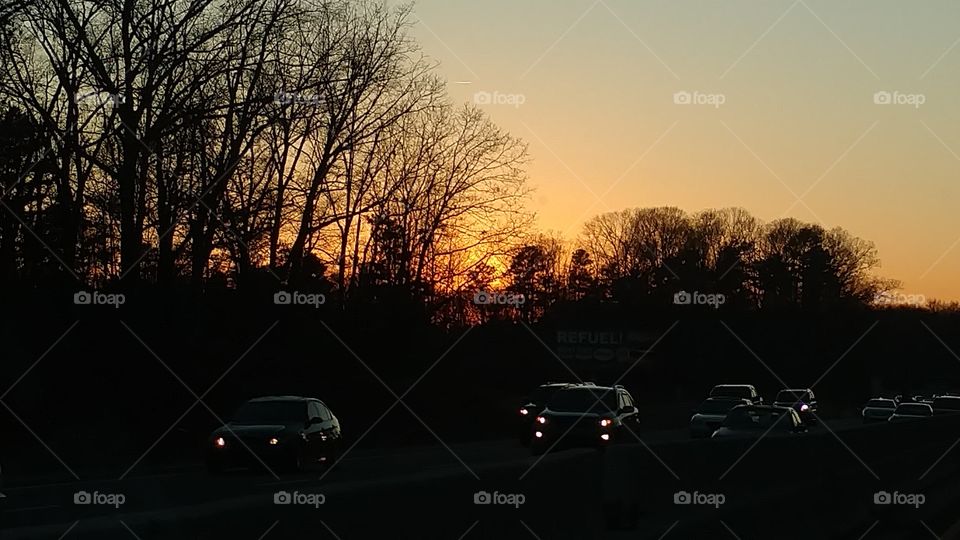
[843, 113]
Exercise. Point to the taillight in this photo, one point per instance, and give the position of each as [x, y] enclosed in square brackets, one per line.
[541, 420]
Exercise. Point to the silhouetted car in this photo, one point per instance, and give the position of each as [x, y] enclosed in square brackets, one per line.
[801, 400]
[288, 431]
[756, 420]
[911, 411]
[878, 410]
[710, 414]
[585, 415]
[741, 391]
[535, 403]
[946, 405]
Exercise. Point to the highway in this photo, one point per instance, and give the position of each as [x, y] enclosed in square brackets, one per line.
[630, 489]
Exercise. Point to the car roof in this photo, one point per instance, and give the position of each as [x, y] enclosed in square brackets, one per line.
[727, 398]
[592, 386]
[279, 398]
[735, 385]
[796, 390]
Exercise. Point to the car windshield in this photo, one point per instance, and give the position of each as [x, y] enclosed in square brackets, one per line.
[543, 394]
[792, 396]
[731, 391]
[913, 408]
[747, 418]
[717, 406]
[270, 412]
[882, 404]
[595, 400]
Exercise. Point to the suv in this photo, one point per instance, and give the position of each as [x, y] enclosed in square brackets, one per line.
[801, 400]
[946, 405]
[739, 391]
[585, 415]
[290, 431]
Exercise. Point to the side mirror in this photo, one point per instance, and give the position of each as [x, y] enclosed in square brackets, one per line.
[630, 409]
[314, 420]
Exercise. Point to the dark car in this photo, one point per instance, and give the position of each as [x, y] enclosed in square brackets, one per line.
[740, 391]
[911, 411]
[801, 400]
[585, 415]
[878, 410]
[756, 420]
[946, 405]
[710, 414]
[535, 402]
[291, 432]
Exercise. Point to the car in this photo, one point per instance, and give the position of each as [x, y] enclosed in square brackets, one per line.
[741, 391]
[801, 400]
[585, 415]
[710, 414]
[946, 405]
[291, 432]
[535, 402]
[911, 411]
[757, 420]
[878, 410]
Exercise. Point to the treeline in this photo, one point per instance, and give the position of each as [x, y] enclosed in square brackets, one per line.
[309, 144]
[644, 257]
[224, 143]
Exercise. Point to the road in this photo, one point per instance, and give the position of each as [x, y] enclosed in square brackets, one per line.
[428, 492]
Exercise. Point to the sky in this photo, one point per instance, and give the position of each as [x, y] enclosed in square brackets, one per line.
[839, 112]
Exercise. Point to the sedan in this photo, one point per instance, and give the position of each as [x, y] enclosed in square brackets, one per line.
[710, 414]
[801, 400]
[911, 411]
[878, 410]
[290, 431]
[758, 420]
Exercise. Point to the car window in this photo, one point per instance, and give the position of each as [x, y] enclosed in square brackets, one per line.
[627, 399]
[793, 396]
[913, 408]
[270, 412]
[324, 412]
[882, 404]
[595, 400]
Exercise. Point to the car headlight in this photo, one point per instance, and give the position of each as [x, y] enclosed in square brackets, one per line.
[605, 422]
[804, 407]
[220, 442]
[541, 420]
[274, 441]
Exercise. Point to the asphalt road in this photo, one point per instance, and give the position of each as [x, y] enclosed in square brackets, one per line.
[428, 492]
